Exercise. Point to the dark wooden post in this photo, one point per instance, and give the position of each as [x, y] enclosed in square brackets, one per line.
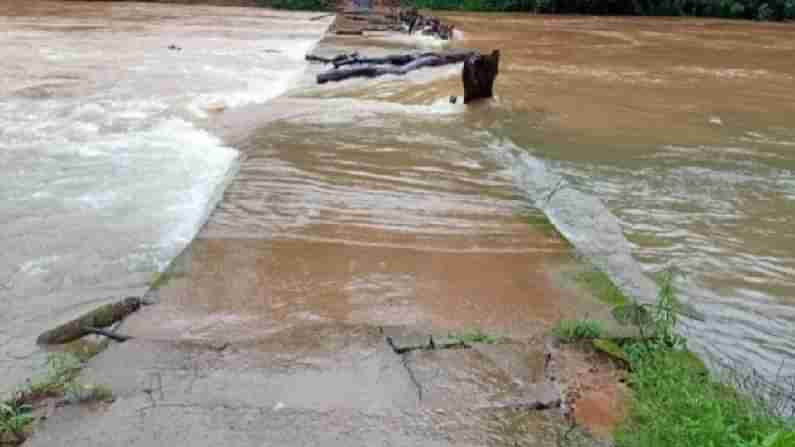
[478, 75]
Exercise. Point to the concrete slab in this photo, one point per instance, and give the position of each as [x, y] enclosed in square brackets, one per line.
[525, 362]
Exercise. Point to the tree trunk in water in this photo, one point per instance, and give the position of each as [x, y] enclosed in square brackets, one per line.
[395, 64]
[100, 317]
[479, 74]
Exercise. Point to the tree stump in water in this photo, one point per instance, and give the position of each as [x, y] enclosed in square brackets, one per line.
[479, 74]
[103, 316]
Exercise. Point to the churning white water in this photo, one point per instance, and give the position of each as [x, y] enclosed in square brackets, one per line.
[106, 172]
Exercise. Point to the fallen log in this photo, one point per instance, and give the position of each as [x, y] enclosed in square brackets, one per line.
[394, 65]
[100, 317]
[330, 60]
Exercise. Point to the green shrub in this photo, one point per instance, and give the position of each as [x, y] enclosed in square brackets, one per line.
[569, 331]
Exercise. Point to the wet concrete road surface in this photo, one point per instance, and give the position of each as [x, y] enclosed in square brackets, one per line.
[271, 328]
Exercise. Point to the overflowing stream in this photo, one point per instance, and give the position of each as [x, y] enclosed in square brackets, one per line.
[106, 171]
[114, 149]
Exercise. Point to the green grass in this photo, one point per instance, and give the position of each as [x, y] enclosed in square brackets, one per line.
[60, 380]
[569, 331]
[62, 368]
[676, 403]
[611, 348]
[474, 336]
[14, 418]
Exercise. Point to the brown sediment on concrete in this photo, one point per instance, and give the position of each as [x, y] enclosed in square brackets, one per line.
[595, 395]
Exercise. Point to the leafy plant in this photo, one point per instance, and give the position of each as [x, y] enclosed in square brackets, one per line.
[677, 403]
[62, 367]
[14, 417]
[569, 331]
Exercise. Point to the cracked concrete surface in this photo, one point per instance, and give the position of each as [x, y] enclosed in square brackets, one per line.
[334, 384]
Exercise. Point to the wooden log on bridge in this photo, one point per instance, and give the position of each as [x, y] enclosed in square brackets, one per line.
[101, 317]
[393, 64]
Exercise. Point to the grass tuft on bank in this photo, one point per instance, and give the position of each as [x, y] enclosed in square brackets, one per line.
[676, 403]
[570, 331]
[60, 381]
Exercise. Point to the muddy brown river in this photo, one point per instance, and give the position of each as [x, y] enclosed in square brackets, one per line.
[378, 201]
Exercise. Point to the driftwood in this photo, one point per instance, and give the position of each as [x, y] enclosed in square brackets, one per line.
[394, 65]
[100, 317]
[331, 60]
[478, 75]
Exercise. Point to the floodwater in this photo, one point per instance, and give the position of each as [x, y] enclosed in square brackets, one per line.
[378, 201]
[684, 129]
[106, 173]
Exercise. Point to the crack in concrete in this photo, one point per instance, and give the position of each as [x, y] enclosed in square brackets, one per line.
[412, 377]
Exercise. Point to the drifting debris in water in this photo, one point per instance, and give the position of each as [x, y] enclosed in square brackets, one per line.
[398, 64]
[478, 74]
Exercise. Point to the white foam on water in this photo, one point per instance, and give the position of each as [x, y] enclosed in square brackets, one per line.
[415, 39]
[261, 83]
[107, 175]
